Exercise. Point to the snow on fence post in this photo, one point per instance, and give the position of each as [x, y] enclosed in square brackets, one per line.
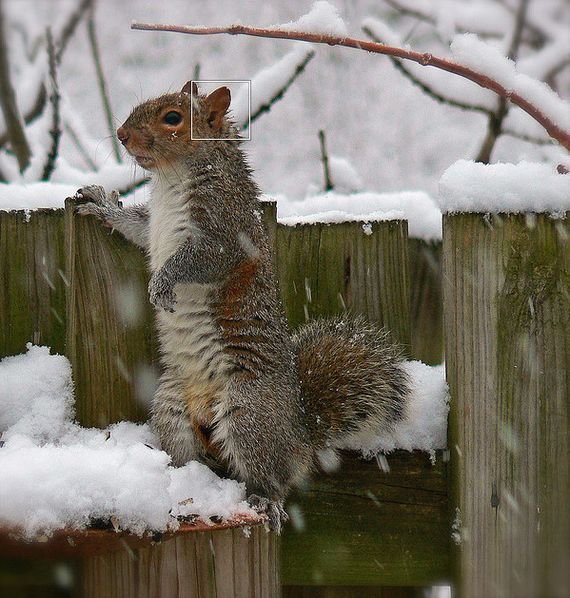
[507, 327]
[327, 268]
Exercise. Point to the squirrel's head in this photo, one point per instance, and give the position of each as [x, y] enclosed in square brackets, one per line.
[161, 133]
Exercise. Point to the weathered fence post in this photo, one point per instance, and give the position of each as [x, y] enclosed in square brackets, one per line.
[426, 303]
[327, 268]
[110, 331]
[507, 328]
[33, 282]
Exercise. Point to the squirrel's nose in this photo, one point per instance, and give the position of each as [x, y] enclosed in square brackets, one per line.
[122, 134]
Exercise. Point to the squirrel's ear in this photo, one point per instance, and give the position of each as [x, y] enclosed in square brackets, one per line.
[190, 87]
[217, 104]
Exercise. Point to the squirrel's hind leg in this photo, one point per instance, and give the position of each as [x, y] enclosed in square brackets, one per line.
[257, 436]
[171, 422]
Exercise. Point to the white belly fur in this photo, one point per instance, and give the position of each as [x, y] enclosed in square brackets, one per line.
[190, 338]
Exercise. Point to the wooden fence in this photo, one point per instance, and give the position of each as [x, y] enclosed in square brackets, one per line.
[70, 284]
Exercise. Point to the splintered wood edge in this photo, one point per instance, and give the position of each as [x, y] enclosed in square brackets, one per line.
[77, 543]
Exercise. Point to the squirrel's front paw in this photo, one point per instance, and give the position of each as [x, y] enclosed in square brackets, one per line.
[161, 292]
[97, 195]
[274, 510]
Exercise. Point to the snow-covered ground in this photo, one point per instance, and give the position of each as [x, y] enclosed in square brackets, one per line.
[57, 474]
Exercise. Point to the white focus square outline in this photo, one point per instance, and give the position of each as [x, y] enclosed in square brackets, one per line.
[248, 81]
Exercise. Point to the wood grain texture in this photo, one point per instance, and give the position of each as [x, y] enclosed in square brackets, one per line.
[426, 301]
[327, 268]
[219, 564]
[32, 281]
[110, 329]
[507, 328]
[363, 526]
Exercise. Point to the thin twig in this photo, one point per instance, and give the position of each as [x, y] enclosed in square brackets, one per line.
[101, 83]
[528, 138]
[134, 185]
[325, 160]
[70, 132]
[280, 92]
[70, 27]
[14, 125]
[54, 98]
[423, 58]
[429, 91]
[196, 75]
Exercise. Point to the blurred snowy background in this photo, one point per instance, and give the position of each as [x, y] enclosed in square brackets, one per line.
[395, 136]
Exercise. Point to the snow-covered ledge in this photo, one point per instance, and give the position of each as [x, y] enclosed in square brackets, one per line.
[469, 186]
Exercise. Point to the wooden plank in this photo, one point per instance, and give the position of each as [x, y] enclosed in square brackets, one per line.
[507, 329]
[326, 268]
[186, 566]
[364, 526]
[110, 333]
[352, 592]
[32, 280]
[426, 301]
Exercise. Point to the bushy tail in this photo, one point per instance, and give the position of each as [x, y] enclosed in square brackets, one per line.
[352, 380]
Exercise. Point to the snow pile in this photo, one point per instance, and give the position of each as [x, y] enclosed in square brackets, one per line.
[421, 212]
[52, 195]
[322, 18]
[57, 474]
[344, 176]
[468, 186]
[425, 424]
[36, 395]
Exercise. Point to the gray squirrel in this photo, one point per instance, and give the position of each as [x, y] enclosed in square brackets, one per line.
[238, 389]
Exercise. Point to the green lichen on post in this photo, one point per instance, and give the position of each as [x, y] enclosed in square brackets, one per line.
[507, 324]
[32, 280]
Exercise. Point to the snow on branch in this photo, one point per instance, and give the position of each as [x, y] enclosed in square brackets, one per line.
[477, 62]
[270, 84]
[379, 32]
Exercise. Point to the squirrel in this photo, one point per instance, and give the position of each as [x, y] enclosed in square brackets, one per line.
[238, 389]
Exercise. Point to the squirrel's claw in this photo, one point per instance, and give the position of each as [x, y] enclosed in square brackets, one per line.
[161, 292]
[274, 510]
[97, 195]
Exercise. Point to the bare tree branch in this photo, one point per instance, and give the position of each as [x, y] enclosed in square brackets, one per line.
[325, 160]
[423, 58]
[280, 92]
[15, 129]
[41, 95]
[429, 91]
[102, 84]
[495, 121]
[55, 131]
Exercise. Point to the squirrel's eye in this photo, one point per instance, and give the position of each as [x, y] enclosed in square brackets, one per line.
[173, 118]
